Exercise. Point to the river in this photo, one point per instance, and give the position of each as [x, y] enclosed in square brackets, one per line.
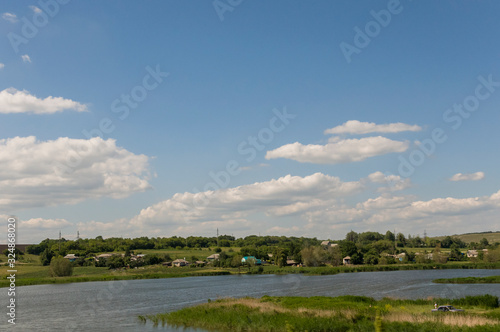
[114, 306]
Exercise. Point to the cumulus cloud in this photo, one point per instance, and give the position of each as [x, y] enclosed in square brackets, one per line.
[467, 177]
[41, 223]
[286, 195]
[26, 58]
[64, 171]
[12, 18]
[358, 127]
[338, 151]
[317, 205]
[441, 215]
[2, 65]
[15, 101]
[392, 182]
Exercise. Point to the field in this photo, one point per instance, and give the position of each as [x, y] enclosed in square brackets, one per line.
[475, 237]
[344, 313]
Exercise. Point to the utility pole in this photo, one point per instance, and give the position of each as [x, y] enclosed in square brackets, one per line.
[59, 241]
[218, 238]
[77, 235]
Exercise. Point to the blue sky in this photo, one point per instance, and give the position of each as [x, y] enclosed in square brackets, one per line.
[188, 89]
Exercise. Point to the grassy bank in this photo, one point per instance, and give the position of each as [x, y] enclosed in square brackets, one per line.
[469, 280]
[344, 313]
[36, 274]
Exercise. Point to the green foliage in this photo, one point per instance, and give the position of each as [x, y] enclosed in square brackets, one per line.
[348, 248]
[313, 256]
[46, 256]
[115, 262]
[60, 267]
[378, 322]
[486, 301]
[16, 252]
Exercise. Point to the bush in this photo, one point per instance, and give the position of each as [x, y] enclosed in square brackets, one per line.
[487, 301]
[60, 267]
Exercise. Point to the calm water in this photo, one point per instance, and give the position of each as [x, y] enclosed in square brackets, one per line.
[114, 306]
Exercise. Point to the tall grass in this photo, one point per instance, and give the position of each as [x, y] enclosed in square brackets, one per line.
[345, 313]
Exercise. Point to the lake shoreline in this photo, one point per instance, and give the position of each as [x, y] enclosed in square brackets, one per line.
[164, 273]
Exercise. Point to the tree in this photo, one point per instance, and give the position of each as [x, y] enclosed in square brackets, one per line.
[357, 258]
[46, 256]
[389, 236]
[16, 252]
[313, 256]
[352, 236]
[371, 257]
[335, 256]
[60, 267]
[348, 248]
[115, 262]
[401, 240]
[455, 254]
[484, 242]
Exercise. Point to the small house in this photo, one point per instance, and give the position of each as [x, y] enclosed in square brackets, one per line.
[471, 253]
[346, 260]
[251, 260]
[180, 262]
[71, 257]
[213, 257]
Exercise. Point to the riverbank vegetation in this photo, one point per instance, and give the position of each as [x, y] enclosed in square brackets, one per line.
[469, 280]
[102, 259]
[343, 313]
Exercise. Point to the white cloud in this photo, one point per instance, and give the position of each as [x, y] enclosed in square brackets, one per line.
[12, 18]
[286, 195]
[66, 171]
[35, 9]
[15, 101]
[358, 127]
[392, 182]
[467, 177]
[338, 151]
[439, 215]
[40, 223]
[318, 205]
[2, 65]
[26, 58]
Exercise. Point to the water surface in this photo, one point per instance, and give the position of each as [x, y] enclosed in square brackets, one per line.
[114, 306]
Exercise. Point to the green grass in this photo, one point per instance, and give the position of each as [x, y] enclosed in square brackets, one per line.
[469, 280]
[475, 237]
[344, 313]
[34, 274]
